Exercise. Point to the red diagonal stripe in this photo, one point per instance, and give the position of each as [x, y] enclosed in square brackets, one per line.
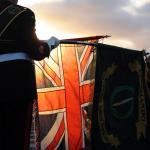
[51, 73]
[57, 137]
[86, 56]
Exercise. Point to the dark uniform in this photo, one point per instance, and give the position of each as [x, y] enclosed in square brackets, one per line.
[17, 77]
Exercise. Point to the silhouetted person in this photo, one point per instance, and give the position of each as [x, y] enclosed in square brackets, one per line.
[19, 45]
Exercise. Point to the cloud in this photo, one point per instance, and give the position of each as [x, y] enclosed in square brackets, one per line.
[99, 17]
[33, 2]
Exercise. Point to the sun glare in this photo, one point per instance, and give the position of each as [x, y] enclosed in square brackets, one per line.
[44, 31]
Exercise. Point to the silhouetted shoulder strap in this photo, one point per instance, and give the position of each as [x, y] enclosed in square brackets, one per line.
[8, 15]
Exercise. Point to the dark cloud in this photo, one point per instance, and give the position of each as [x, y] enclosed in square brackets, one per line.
[98, 17]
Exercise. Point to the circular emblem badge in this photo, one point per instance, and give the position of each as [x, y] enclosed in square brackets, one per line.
[122, 102]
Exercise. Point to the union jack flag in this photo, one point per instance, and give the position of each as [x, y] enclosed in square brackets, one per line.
[65, 85]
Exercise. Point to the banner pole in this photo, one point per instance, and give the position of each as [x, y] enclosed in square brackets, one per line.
[83, 40]
[77, 42]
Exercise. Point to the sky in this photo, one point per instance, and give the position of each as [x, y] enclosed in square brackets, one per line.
[126, 21]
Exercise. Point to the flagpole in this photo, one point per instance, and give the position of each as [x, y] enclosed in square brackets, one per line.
[78, 42]
[89, 38]
[84, 40]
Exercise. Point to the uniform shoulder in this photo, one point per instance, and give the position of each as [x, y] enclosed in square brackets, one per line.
[27, 12]
[25, 8]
